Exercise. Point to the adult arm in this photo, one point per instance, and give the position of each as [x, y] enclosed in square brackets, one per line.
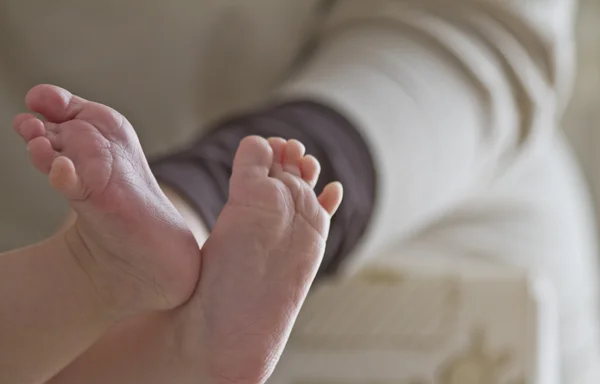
[50, 311]
[448, 94]
[437, 97]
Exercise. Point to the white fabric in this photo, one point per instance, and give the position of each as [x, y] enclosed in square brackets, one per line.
[459, 100]
[435, 325]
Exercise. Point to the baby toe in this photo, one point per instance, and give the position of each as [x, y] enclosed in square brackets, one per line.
[278, 146]
[64, 179]
[54, 103]
[20, 118]
[331, 197]
[53, 133]
[41, 154]
[294, 151]
[253, 157]
[30, 128]
[310, 169]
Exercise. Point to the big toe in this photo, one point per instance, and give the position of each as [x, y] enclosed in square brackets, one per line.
[56, 104]
[253, 157]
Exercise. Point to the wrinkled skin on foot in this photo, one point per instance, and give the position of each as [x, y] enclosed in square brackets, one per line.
[254, 270]
[128, 237]
[259, 261]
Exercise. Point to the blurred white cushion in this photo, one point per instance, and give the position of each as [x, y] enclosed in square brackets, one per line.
[422, 325]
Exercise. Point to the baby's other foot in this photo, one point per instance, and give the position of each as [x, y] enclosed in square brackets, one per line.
[127, 236]
[261, 258]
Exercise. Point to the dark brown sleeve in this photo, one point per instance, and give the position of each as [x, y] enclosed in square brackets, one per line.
[200, 173]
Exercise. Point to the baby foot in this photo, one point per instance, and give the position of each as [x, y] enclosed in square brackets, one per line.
[128, 237]
[259, 260]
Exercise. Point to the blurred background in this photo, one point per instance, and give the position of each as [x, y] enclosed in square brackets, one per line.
[425, 314]
[582, 126]
[582, 121]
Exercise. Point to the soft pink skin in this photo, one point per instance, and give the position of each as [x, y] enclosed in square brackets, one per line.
[257, 264]
[138, 250]
[259, 260]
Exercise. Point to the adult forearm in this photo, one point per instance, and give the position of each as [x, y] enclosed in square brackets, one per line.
[143, 349]
[140, 350]
[50, 311]
[438, 132]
